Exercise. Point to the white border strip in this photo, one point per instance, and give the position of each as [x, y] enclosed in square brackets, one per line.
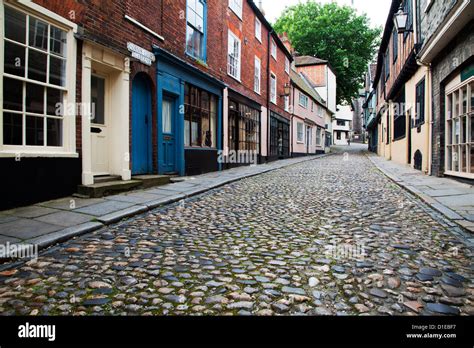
[137, 23]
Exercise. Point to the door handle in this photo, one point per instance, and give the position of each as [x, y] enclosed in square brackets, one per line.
[96, 130]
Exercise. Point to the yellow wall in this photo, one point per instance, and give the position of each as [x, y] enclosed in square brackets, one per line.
[419, 141]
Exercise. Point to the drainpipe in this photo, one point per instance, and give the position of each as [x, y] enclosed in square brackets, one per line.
[291, 118]
[269, 58]
[429, 141]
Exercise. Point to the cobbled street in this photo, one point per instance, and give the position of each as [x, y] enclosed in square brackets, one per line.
[330, 236]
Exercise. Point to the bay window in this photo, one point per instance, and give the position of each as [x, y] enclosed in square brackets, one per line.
[460, 130]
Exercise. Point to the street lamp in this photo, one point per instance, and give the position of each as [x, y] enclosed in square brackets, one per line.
[287, 90]
[401, 19]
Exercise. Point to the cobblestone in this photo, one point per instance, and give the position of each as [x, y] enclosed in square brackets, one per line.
[332, 236]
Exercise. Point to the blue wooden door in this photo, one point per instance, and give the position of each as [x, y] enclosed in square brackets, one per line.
[168, 161]
[141, 126]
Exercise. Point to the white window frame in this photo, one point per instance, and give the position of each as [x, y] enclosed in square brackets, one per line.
[68, 148]
[451, 146]
[300, 138]
[318, 136]
[274, 49]
[287, 65]
[258, 29]
[236, 6]
[257, 78]
[232, 36]
[303, 100]
[273, 88]
[287, 103]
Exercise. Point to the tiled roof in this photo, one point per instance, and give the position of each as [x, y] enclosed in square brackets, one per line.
[308, 60]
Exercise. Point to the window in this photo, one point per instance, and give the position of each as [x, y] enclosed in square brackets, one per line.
[200, 118]
[460, 130]
[287, 65]
[395, 45]
[409, 11]
[399, 117]
[233, 65]
[303, 101]
[318, 136]
[309, 136]
[387, 64]
[236, 6]
[420, 103]
[287, 103]
[300, 132]
[274, 49]
[273, 88]
[388, 129]
[196, 31]
[244, 127]
[257, 75]
[34, 81]
[341, 123]
[258, 29]
[279, 136]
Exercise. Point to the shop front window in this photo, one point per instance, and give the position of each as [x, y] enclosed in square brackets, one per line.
[460, 131]
[200, 118]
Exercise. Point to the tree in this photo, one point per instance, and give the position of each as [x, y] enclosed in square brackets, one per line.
[336, 34]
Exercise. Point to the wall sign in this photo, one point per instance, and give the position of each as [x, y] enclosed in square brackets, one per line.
[144, 56]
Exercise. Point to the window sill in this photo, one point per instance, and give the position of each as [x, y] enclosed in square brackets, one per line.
[31, 154]
[197, 60]
[399, 138]
[235, 78]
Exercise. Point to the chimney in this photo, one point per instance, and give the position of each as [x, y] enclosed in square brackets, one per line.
[260, 7]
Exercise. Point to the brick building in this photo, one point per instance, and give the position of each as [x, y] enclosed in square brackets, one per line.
[97, 90]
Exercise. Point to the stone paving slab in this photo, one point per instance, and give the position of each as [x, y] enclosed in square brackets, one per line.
[30, 212]
[27, 229]
[65, 218]
[453, 199]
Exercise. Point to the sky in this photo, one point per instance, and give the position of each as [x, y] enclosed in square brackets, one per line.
[377, 10]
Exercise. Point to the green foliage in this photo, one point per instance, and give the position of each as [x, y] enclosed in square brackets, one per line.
[336, 34]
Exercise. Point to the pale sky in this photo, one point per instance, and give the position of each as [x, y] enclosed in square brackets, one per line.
[377, 10]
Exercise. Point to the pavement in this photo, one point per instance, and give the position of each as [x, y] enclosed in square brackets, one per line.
[452, 198]
[45, 224]
[331, 236]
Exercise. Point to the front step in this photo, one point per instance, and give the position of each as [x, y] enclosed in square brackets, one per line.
[106, 178]
[152, 180]
[108, 188]
[103, 187]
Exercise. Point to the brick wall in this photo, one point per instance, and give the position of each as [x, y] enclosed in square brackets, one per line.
[251, 47]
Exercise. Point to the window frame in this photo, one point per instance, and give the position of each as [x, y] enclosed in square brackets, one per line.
[287, 65]
[300, 136]
[465, 140]
[237, 10]
[204, 32]
[273, 98]
[68, 130]
[259, 89]
[305, 98]
[420, 111]
[395, 45]
[274, 50]
[239, 62]
[258, 34]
